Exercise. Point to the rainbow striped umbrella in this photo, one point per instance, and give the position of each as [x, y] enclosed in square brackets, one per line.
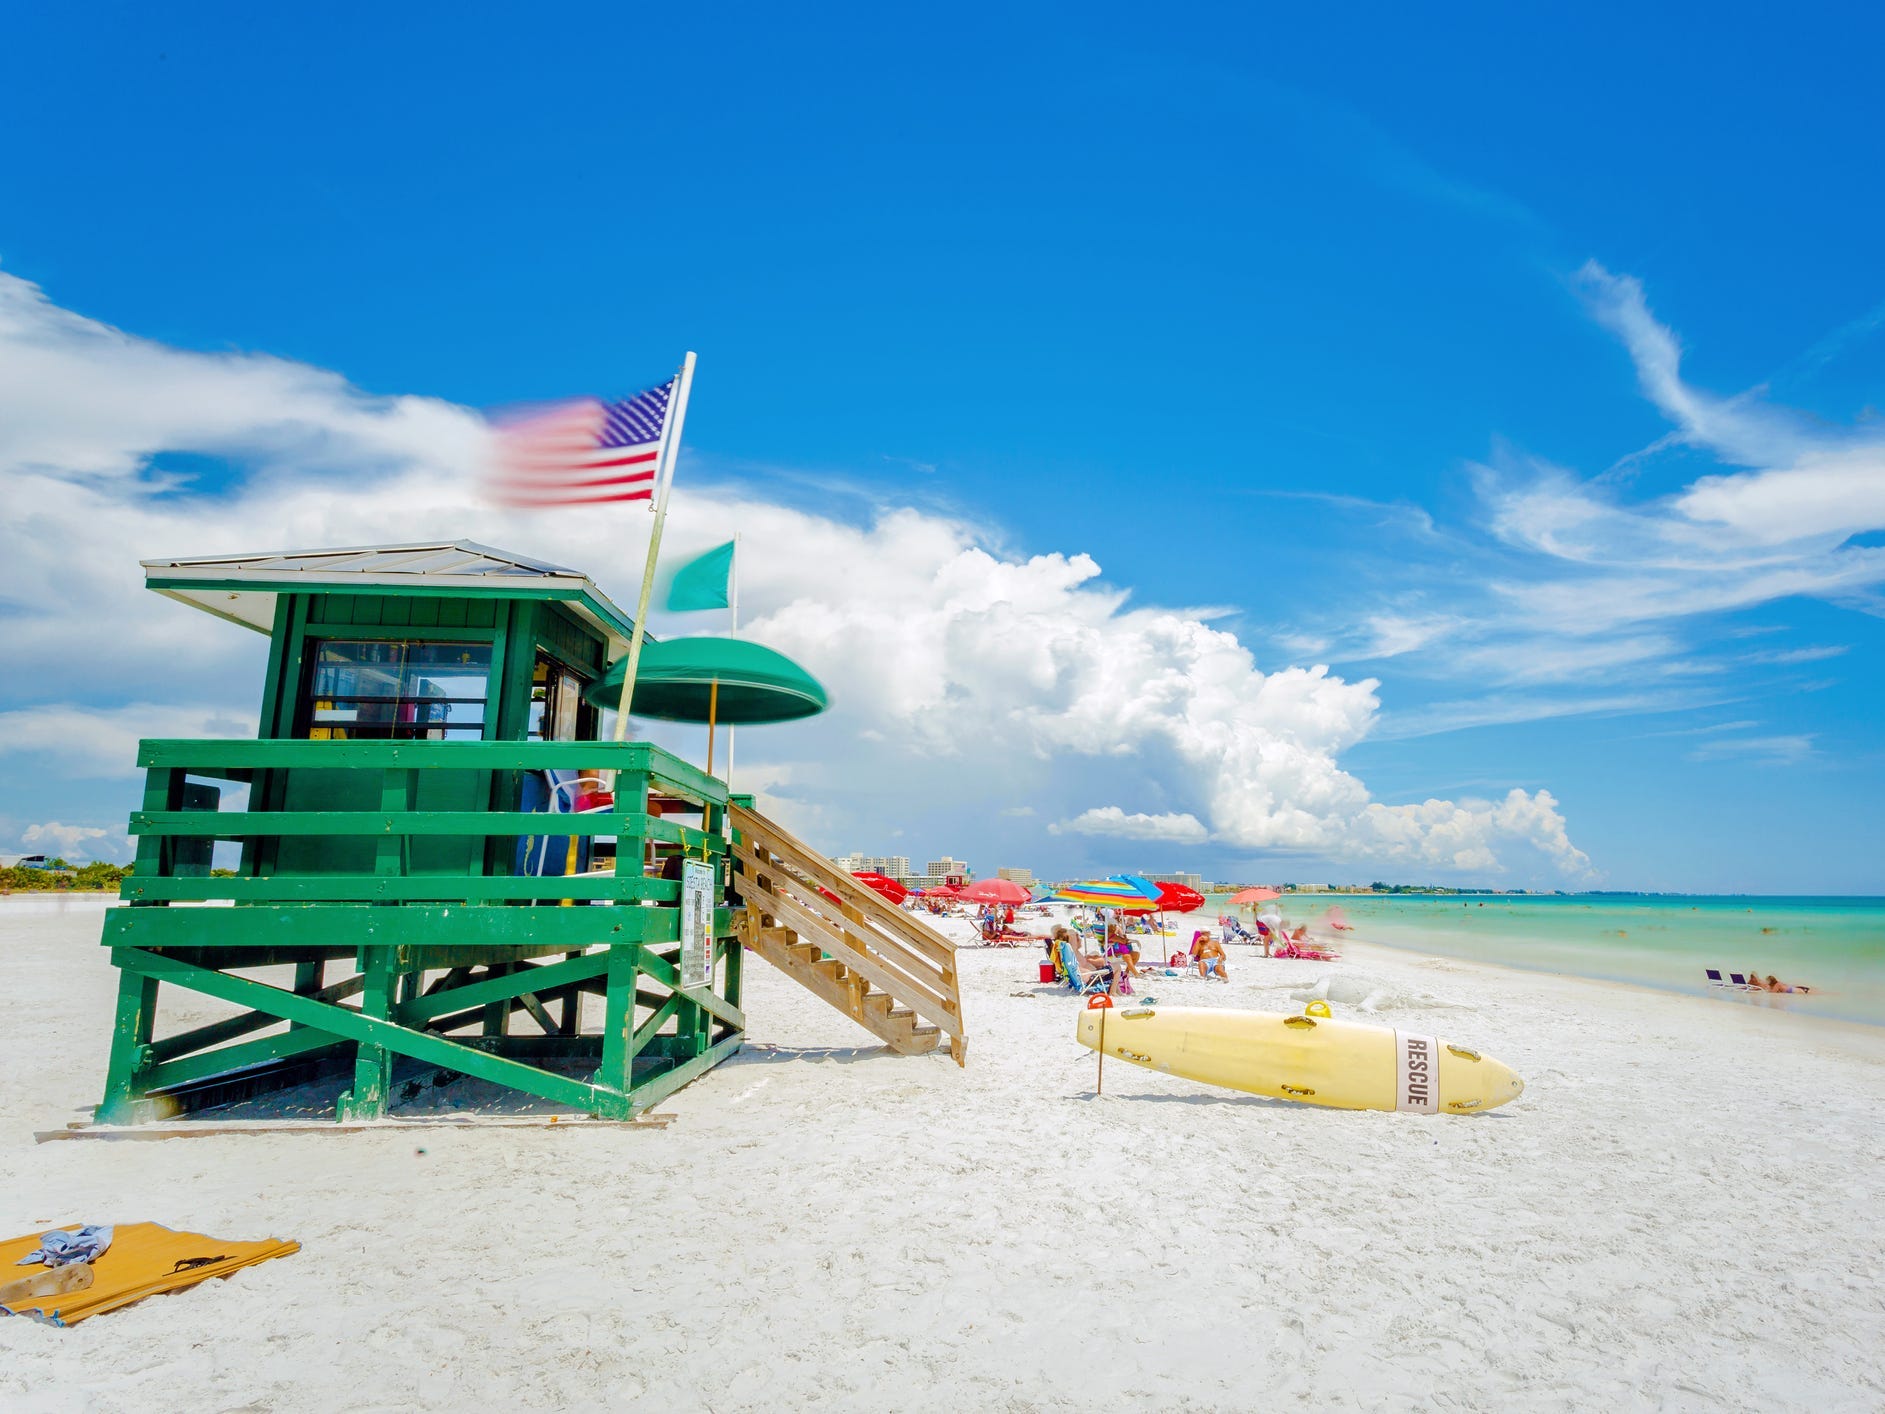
[1120, 891]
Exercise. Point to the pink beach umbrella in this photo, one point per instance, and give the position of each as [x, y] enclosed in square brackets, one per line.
[1244, 896]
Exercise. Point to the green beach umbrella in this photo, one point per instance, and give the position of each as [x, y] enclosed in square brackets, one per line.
[711, 679]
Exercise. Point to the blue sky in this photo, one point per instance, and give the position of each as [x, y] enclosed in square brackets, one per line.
[1350, 336]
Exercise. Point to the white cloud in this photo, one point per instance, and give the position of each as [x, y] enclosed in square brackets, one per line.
[1775, 528]
[1467, 837]
[1787, 750]
[94, 743]
[1114, 823]
[957, 674]
[1505, 709]
[68, 841]
[1811, 653]
[1610, 600]
[1388, 635]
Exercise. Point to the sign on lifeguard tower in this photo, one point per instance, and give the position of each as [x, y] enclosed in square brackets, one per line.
[696, 925]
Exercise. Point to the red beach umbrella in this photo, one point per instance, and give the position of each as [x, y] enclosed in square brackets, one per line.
[883, 884]
[994, 891]
[1176, 898]
[1172, 898]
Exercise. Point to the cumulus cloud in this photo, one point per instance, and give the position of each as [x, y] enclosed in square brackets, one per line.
[959, 676]
[1111, 821]
[1467, 836]
[66, 841]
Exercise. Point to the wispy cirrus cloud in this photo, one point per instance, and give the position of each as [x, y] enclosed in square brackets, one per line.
[1575, 587]
[1788, 750]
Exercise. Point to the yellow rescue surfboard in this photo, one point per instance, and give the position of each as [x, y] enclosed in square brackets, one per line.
[1309, 1057]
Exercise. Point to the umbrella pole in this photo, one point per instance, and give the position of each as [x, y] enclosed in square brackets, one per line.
[713, 711]
[1099, 1075]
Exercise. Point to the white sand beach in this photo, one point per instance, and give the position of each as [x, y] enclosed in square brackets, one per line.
[1685, 1210]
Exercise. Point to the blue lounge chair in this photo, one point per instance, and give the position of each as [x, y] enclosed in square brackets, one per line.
[1095, 981]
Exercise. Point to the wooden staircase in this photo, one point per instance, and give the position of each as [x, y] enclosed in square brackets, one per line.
[891, 974]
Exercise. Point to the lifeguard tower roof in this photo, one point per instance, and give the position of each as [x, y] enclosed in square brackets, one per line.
[242, 588]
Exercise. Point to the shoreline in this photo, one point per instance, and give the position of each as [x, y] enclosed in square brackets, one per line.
[1631, 984]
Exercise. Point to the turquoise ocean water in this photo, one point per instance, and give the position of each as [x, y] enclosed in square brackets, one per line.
[1835, 945]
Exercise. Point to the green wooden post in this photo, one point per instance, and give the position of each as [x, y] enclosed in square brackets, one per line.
[570, 1023]
[373, 1064]
[130, 1048]
[399, 794]
[309, 979]
[497, 1015]
[163, 790]
[281, 697]
[618, 1023]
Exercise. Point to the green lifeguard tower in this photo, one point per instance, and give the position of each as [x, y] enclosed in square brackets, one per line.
[440, 865]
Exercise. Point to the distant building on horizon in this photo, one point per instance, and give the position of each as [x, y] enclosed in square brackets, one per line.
[947, 870]
[1187, 881]
[1023, 877]
[891, 866]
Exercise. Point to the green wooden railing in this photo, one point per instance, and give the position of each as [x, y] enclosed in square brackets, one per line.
[163, 824]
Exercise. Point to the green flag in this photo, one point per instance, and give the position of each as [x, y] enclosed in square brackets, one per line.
[702, 583]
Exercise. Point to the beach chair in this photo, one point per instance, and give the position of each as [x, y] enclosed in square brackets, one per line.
[1715, 979]
[560, 793]
[1070, 971]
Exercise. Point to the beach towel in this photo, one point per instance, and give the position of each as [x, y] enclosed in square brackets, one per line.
[142, 1260]
[59, 1247]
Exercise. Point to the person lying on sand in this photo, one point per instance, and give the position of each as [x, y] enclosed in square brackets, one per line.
[1774, 984]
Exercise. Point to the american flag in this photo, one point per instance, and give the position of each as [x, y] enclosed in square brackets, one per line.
[583, 452]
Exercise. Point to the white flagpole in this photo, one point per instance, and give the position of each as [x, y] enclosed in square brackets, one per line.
[733, 606]
[665, 457]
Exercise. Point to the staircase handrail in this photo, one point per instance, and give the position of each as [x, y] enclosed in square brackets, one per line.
[910, 961]
[859, 896]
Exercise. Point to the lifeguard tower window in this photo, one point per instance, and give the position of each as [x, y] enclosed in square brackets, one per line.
[556, 702]
[396, 690]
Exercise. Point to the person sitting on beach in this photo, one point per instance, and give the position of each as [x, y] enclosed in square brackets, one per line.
[1208, 953]
[1065, 945]
[1120, 946]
